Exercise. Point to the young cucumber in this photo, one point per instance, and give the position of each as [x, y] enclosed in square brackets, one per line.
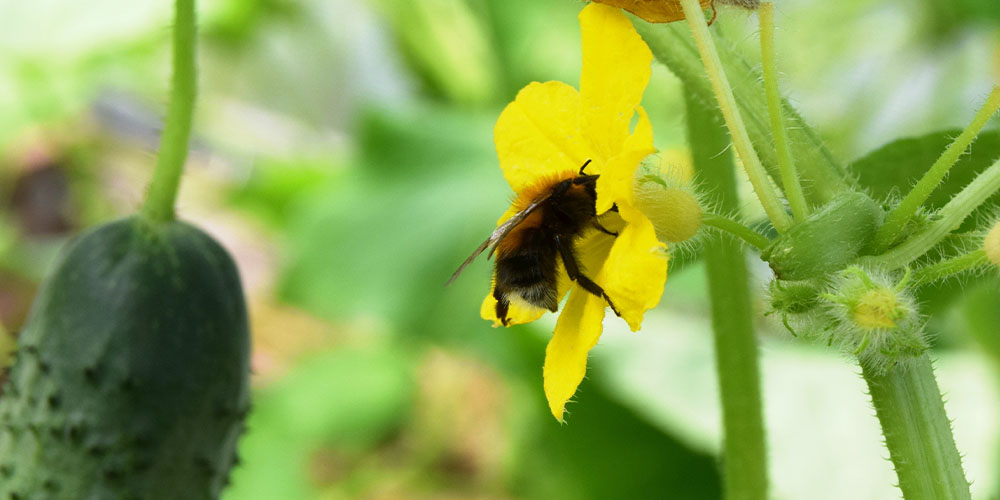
[131, 377]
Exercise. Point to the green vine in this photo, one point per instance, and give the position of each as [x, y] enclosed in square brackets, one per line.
[159, 204]
[745, 452]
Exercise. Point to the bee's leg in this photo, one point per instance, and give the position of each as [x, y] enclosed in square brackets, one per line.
[502, 305]
[573, 270]
[604, 229]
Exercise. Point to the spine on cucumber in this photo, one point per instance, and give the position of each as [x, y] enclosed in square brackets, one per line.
[131, 375]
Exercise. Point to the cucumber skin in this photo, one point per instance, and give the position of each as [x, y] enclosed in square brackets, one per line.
[131, 378]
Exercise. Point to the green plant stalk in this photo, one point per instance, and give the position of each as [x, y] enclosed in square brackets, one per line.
[744, 453]
[730, 226]
[159, 205]
[789, 175]
[823, 176]
[899, 216]
[766, 193]
[7, 345]
[917, 431]
[950, 217]
[945, 268]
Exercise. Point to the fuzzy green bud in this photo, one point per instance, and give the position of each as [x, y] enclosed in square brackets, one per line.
[664, 193]
[876, 317]
[992, 244]
[793, 297]
[826, 241]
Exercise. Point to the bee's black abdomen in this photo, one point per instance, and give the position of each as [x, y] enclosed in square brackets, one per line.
[530, 270]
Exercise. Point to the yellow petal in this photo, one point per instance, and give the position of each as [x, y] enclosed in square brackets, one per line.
[654, 11]
[517, 313]
[617, 177]
[577, 331]
[616, 69]
[538, 135]
[636, 268]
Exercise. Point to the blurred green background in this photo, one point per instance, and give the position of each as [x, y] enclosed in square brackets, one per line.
[343, 154]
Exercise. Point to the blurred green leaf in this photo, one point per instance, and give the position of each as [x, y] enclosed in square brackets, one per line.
[447, 43]
[276, 184]
[383, 240]
[981, 313]
[350, 398]
[606, 451]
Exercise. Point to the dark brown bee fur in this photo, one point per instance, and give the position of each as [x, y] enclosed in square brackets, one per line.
[530, 244]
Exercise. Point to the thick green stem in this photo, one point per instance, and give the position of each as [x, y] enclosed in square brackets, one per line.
[766, 193]
[956, 265]
[730, 226]
[899, 216]
[950, 217]
[744, 455]
[789, 175]
[917, 431]
[159, 205]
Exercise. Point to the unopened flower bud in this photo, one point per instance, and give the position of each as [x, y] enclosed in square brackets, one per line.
[876, 316]
[992, 244]
[663, 192]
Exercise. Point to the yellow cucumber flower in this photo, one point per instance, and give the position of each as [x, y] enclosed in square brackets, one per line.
[543, 138]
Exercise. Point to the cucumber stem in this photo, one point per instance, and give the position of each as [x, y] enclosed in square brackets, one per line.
[789, 175]
[159, 204]
[940, 270]
[950, 217]
[899, 216]
[917, 431]
[730, 226]
[762, 186]
[745, 452]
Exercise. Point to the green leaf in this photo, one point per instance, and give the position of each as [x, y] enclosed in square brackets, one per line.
[892, 169]
[980, 314]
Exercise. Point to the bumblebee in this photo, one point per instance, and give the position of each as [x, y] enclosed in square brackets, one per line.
[529, 245]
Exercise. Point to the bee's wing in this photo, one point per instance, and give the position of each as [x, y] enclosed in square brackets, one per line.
[497, 236]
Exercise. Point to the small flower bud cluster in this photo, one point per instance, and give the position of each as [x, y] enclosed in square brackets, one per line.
[665, 194]
[869, 315]
[876, 317]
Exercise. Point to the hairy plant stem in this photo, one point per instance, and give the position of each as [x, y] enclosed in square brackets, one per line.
[159, 204]
[823, 176]
[789, 175]
[744, 453]
[955, 265]
[917, 431]
[734, 228]
[899, 216]
[950, 217]
[762, 185]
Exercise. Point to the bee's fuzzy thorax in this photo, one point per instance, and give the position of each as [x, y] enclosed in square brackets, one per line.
[540, 188]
